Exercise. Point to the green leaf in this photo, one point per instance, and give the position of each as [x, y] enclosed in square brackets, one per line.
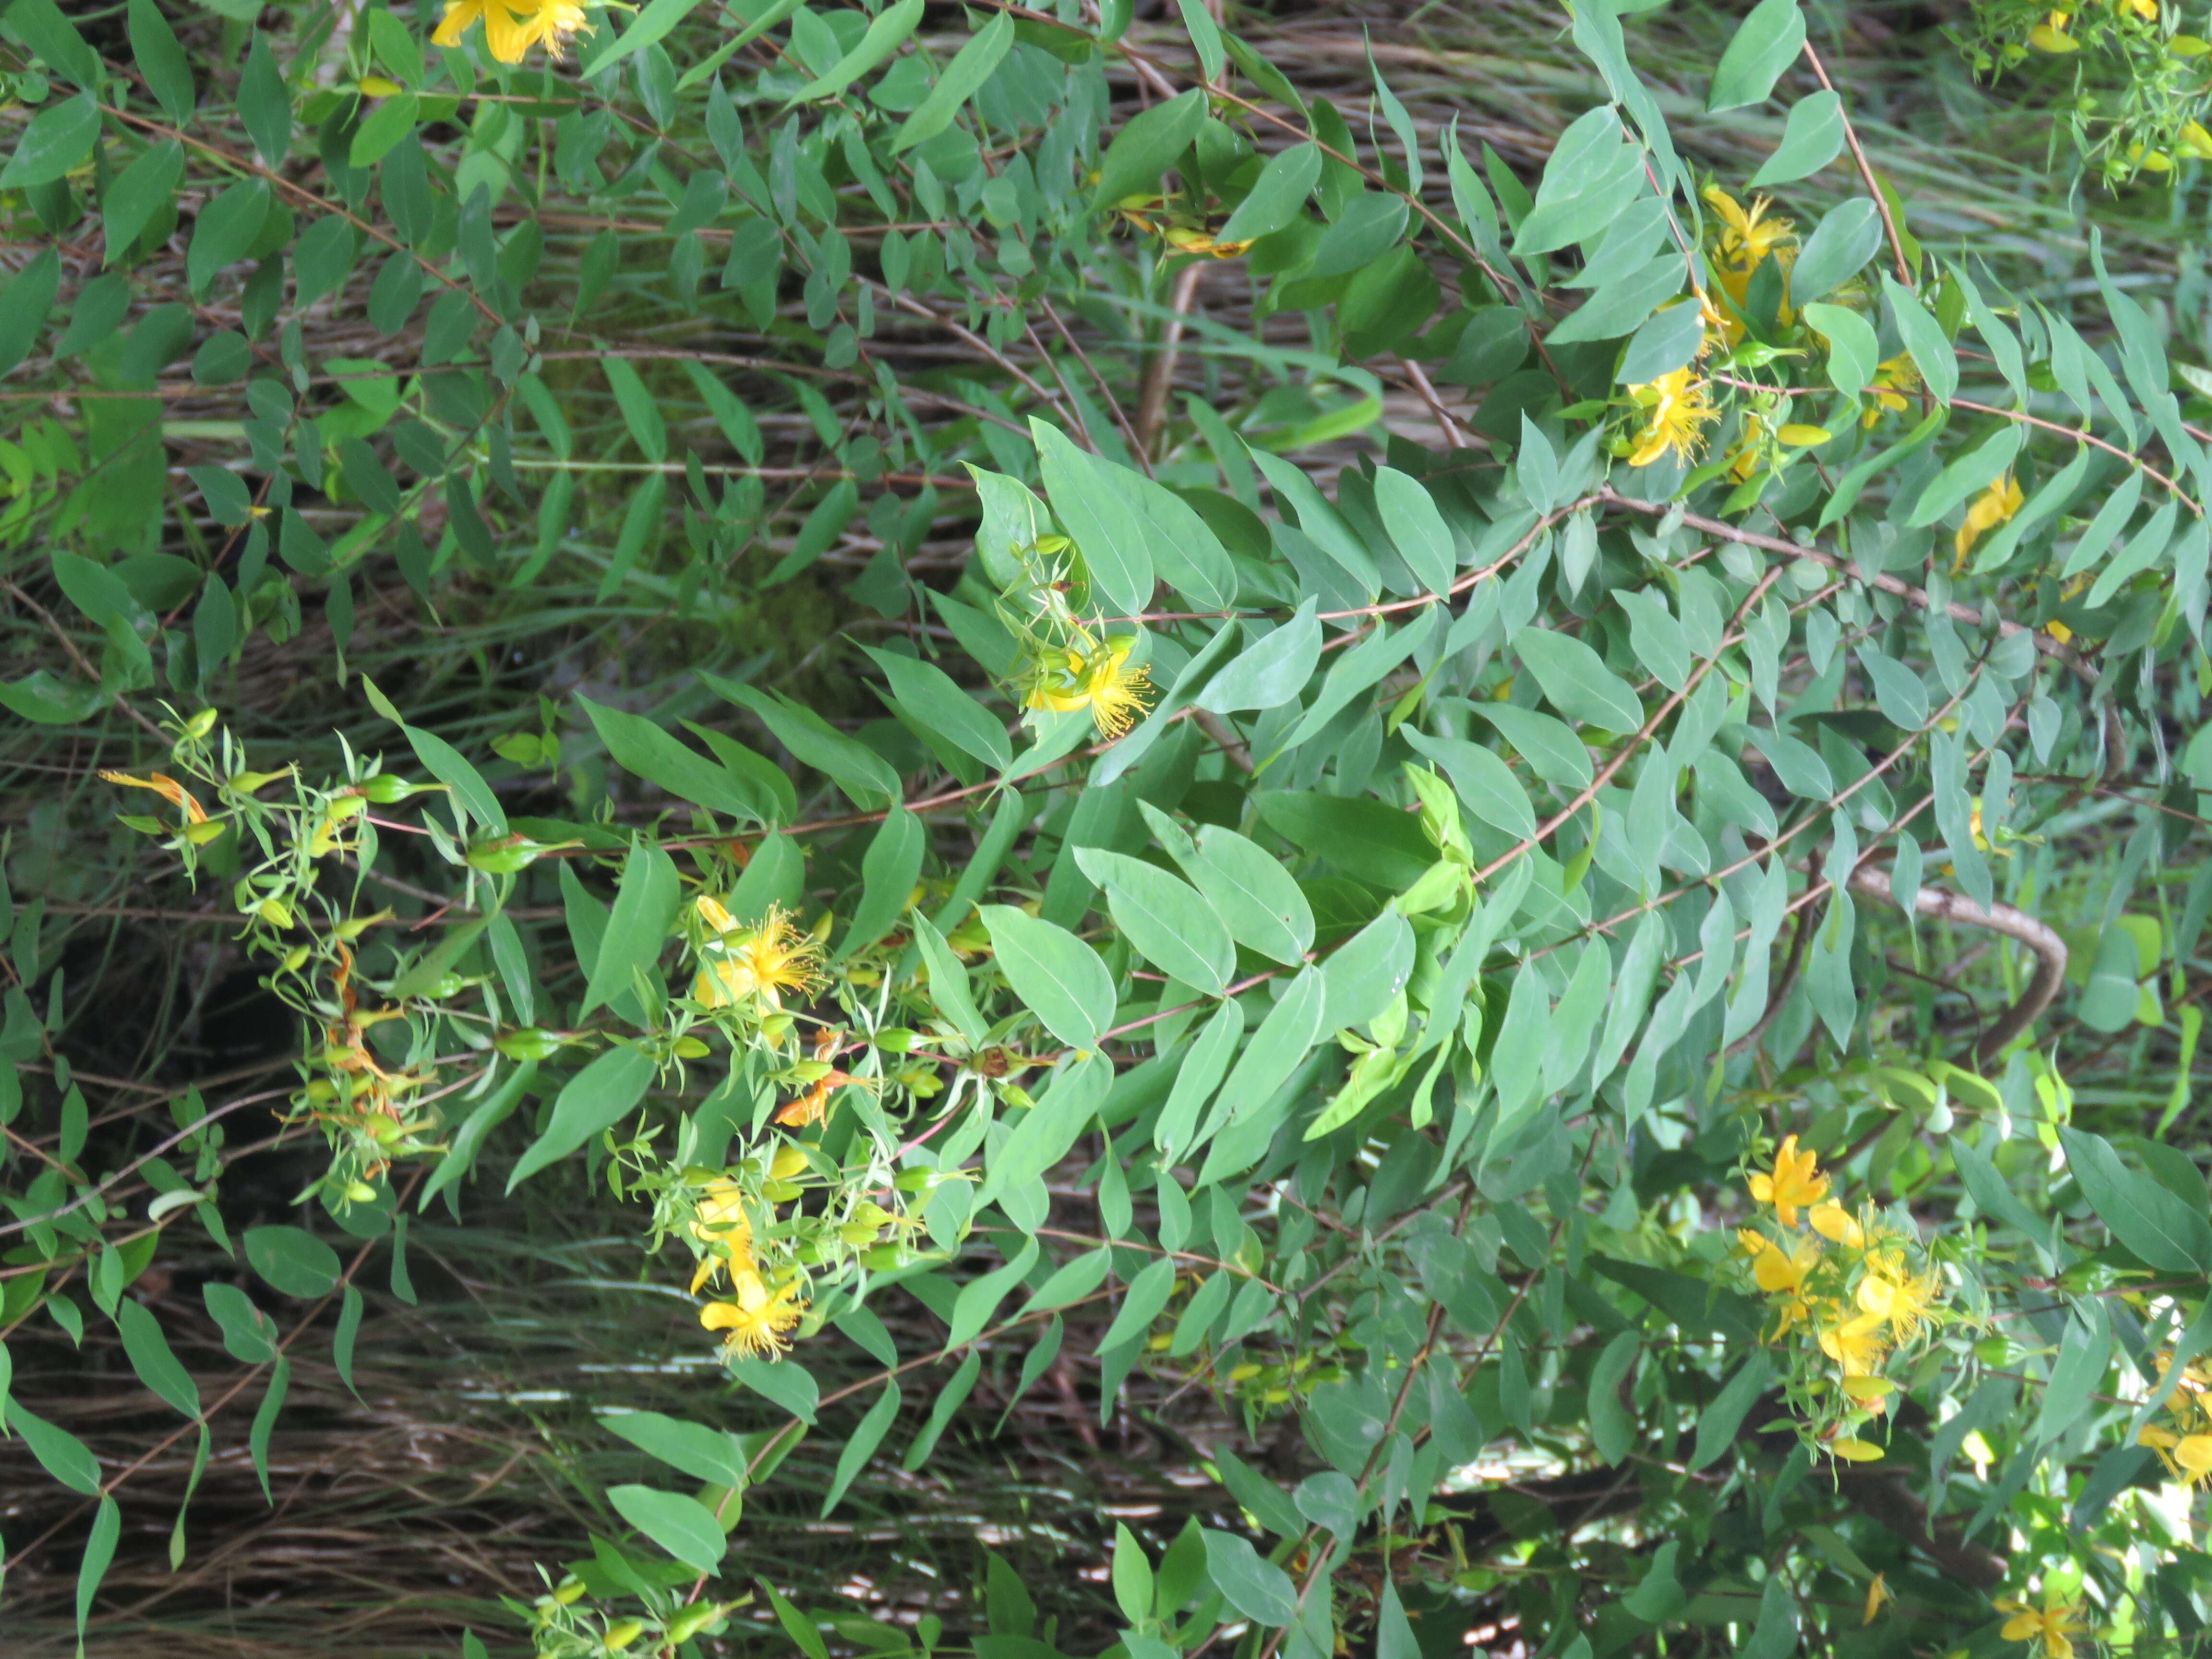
[889, 871]
[1766, 43]
[866, 1436]
[1417, 529]
[58, 138]
[963, 78]
[1263, 907]
[1291, 1028]
[1669, 340]
[99, 1554]
[645, 902]
[1620, 305]
[596, 1098]
[639, 746]
[936, 701]
[866, 777]
[1718, 1422]
[1271, 672]
[948, 982]
[264, 1422]
[885, 34]
[1365, 975]
[1612, 1424]
[1132, 1576]
[2150, 1221]
[292, 1261]
[1853, 351]
[342, 1340]
[1278, 195]
[649, 26]
[980, 1297]
[151, 1357]
[641, 411]
[1813, 137]
[1258, 1589]
[161, 61]
[24, 302]
[1109, 534]
[1147, 145]
[43, 700]
[1058, 977]
[1576, 682]
[786, 1382]
[1968, 475]
[796, 1624]
[1172, 925]
[60, 1452]
[1365, 839]
[264, 103]
[676, 1521]
[1484, 783]
[446, 764]
[946, 1405]
[1848, 235]
[247, 1334]
[1932, 352]
[392, 119]
[1071, 1281]
[707, 1454]
[1148, 1297]
[2085, 1349]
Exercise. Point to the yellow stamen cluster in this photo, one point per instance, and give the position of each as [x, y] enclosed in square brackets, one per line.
[755, 1318]
[1091, 674]
[512, 26]
[759, 963]
[1678, 408]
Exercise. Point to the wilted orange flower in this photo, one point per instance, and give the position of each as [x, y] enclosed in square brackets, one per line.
[167, 787]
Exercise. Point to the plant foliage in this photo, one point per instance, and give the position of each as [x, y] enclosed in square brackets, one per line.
[1540, 830]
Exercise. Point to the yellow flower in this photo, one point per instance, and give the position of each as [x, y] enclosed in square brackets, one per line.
[1776, 1270]
[764, 961]
[1885, 392]
[1856, 1345]
[1098, 678]
[512, 26]
[1903, 1302]
[2194, 140]
[1877, 1593]
[2146, 10]
[1833, 1222]
[755, 1317]
[1794, 1180]
[718, 920]
[2052, 37]
[1747, 238]
[167, 787]
[2053, 1628]
[723, 1226]
[2192, 1456]
[1992, 507]
[1744, 241]
[1680, 411]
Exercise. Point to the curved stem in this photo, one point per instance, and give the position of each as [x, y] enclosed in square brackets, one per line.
[2050, 950]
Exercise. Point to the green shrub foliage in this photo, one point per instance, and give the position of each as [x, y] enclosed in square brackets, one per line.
[1540, 827]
